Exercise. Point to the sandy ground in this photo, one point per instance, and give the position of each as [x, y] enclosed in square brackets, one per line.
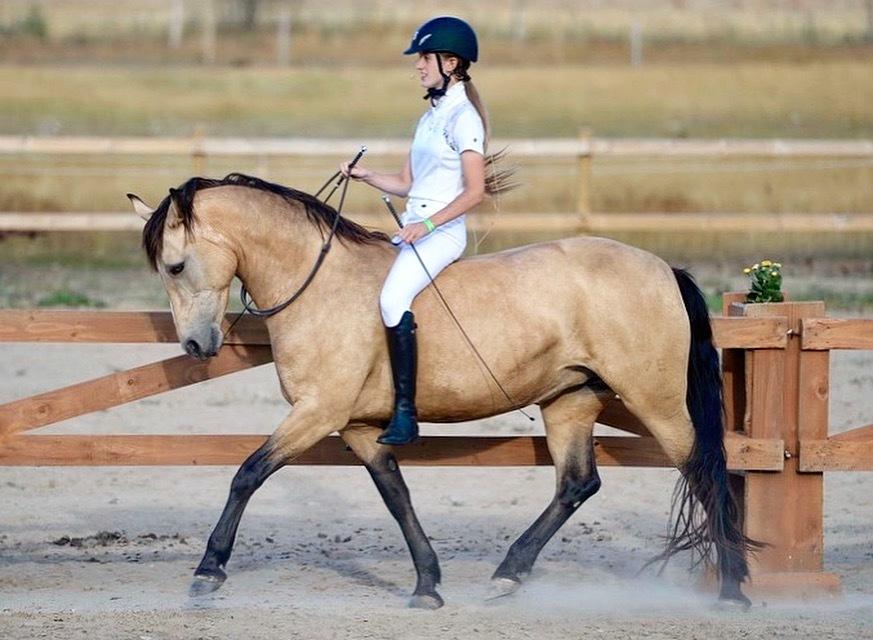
[108, 553]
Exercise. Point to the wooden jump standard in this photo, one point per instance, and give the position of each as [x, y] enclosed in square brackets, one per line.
[775, 362]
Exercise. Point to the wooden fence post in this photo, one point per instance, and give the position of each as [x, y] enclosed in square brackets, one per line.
[283, 37]
[209, 30]
[585, 159]
[198, 153]
[786, 397]
[734, 393]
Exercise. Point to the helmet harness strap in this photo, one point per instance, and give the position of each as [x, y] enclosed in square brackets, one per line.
[435, 94]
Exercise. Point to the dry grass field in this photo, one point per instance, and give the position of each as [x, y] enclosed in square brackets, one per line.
[759, 68]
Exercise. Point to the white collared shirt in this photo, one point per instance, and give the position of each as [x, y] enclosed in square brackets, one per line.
[444, 132]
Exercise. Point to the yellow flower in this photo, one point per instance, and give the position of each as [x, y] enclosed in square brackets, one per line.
[777, 265]
[755, 266]
[747, 271]
[765, 263]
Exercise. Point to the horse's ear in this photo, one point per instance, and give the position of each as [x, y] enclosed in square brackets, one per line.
[173, 217]
[141, 208]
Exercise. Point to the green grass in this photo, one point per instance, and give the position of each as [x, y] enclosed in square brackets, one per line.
[67, 298]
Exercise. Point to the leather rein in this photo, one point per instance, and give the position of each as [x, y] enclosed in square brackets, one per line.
[325, 247]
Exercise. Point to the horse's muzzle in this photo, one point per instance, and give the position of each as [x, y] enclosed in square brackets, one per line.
[204, 350]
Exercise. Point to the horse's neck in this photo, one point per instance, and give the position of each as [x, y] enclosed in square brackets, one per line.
[277, 249]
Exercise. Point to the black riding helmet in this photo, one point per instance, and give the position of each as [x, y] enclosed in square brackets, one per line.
[445, 34]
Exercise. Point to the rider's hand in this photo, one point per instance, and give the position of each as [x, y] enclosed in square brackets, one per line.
[357, 172]
[412, 232]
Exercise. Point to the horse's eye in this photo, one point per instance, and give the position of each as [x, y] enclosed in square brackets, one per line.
[176, 269]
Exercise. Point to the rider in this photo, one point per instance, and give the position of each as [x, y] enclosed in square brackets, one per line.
[444, 177]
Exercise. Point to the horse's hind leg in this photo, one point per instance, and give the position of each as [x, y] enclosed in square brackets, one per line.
[569, 421]
[699, 456]
[383, 468]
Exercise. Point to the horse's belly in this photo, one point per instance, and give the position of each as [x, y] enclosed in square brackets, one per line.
[461, 387]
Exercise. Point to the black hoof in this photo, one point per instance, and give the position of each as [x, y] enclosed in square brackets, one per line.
[733, 598]
[204, 583]
[426, 601]
[502, 586]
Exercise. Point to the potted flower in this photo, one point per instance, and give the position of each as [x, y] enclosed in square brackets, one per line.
[765, 282]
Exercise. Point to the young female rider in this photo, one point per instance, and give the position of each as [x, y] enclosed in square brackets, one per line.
[443, 178]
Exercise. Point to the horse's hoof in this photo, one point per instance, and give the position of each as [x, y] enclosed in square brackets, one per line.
[734, 603]
[501, 587]
[429, 601]
[206, 583]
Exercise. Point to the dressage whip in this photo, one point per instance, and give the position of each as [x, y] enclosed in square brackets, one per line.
[442, 298]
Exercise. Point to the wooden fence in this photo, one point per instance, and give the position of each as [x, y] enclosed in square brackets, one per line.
[775, 364]
[582, 149]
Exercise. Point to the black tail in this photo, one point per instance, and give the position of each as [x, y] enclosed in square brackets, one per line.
[706, 513]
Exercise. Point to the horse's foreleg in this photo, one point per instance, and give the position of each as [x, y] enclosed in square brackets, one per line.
[254, 471]
[384, 470]
[569, 421]
[296, 434]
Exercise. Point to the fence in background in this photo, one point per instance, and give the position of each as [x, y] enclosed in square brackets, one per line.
[582, 149]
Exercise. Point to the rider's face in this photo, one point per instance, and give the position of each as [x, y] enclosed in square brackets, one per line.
[429, 72]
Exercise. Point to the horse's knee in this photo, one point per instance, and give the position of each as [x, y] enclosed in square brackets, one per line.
[574, 490]
[244, 484]
[252, 474]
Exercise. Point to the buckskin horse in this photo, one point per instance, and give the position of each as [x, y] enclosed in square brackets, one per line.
[565, 325]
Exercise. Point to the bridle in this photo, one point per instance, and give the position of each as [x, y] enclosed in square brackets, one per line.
[246, 300]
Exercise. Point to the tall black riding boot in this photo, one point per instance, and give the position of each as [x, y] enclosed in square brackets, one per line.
[403, 427]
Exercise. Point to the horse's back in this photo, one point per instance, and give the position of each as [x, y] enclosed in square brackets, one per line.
[541, 314]
[586, 270]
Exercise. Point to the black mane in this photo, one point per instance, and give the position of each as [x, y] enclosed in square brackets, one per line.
[319, 214]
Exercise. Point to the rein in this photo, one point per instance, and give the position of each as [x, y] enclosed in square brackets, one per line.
[325, 247]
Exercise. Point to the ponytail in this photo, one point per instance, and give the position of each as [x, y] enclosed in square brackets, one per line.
[497, 179]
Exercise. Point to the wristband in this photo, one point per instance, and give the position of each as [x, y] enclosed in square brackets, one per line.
[430, 225]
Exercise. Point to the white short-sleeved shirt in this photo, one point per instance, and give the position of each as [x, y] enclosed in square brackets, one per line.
[444, 132]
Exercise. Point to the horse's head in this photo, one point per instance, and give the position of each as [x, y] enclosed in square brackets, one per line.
[195, 266]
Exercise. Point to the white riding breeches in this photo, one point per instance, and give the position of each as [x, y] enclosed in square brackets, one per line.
[407, 278]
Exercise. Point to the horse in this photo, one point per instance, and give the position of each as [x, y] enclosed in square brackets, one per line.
[565, 325]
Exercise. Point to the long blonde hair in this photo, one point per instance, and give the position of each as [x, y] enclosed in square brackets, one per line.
[498, 179]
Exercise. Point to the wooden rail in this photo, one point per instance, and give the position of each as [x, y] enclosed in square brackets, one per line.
[566, 223]
[522, 147]
[119, 327]
[583, 149]
[837, 333]
[434, 451]
[247, 346]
